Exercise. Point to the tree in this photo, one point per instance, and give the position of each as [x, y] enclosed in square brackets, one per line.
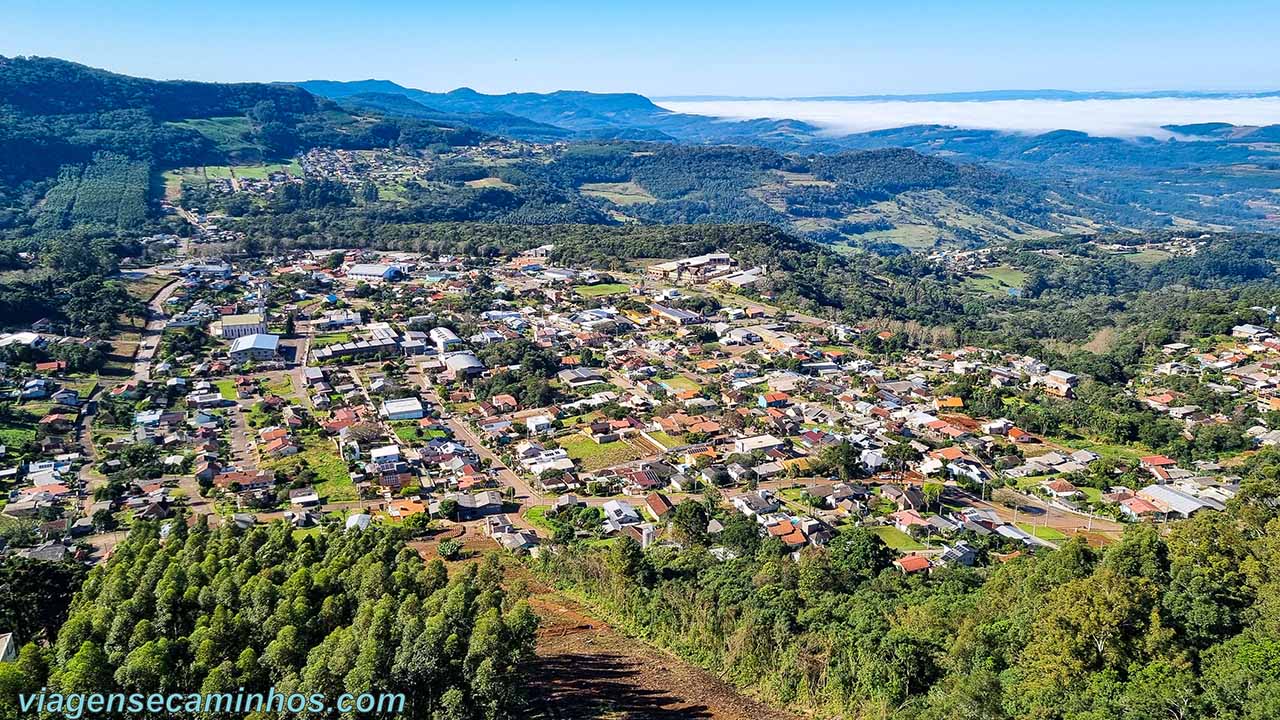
[933, 494]
[449, 549]
[626, 558]
[1207, 591]
[689, 522]
[858, 555]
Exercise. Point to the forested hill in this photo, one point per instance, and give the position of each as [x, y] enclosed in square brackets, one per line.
[48, 86]
[1227, 176]
[54, 113]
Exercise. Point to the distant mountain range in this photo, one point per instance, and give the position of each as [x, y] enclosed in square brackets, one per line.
[562, 114]
[996, 95]
[571, 114]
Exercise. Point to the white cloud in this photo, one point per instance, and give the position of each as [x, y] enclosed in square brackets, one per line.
[1118, 118]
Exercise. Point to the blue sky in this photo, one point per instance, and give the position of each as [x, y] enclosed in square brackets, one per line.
[672, 47]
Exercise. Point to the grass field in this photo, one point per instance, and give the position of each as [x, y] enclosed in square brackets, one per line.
[665, 440]
[333, 481]
[998, 280]
[320, 341]
[591, 455]
[227, 133]
[146, 287]
[490, 182]
[1147, 258]
[282, 387]
[1044, 533]
[896, 539]
[537, 516]
[679, 383]
[409, 432]
[1106, 450]
[262, 172]
[13, 436]
[601, 290]
[623, 193]
[226, 388]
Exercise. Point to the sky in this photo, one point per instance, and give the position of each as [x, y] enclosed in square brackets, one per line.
[672, 47]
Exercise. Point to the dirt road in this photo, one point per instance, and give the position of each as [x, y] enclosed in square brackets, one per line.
[586, 669]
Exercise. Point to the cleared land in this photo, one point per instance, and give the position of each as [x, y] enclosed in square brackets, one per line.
[591, 455]
[602, 289]
[680, 383]
[997, 280]
[623, 193]
[490, 182]
[332, 481]
[896, 539]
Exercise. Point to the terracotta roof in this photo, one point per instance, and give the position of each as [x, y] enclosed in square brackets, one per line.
[912, 563]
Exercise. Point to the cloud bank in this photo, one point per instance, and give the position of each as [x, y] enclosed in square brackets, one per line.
[1106, 117]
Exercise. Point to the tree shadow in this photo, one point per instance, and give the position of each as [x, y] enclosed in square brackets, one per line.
[581, 686]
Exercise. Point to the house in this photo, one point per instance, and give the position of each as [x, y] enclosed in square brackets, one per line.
[517, 540]
[385, 456]
[244, 480]
[617, 515]
[748, 445]
[539, 424]
[1152, 462]
[909, 497]
[774, 399]
[904, 520]
[754, 504]
[481, 504]
[658, 505]
[580, 377]
[912, 564]
[257, 346]
[409, 408]
[304, 497]
[961, 553]
[1061, 489]
[337, 320]
[1060, 383]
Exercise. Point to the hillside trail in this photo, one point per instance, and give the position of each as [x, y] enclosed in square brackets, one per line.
[587, 670]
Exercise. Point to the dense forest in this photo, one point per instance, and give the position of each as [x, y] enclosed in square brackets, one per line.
[217, 611]
[1180, 625]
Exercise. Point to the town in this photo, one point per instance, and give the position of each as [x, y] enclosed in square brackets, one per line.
[516, 402]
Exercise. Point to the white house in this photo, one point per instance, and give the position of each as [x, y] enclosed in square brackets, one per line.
[749, 445]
